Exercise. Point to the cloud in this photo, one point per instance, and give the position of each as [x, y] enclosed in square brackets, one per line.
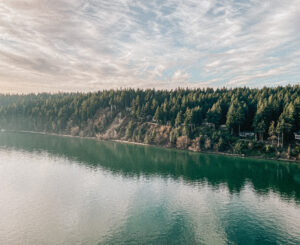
[77, 45]
[180, 76]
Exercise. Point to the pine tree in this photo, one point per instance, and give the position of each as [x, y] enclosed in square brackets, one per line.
[178, 119]
[214, 114]
[235, 116]
[129, 130]
[158, 114]
[272, 131]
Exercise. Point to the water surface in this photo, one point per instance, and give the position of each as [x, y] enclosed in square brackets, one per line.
[56, 190]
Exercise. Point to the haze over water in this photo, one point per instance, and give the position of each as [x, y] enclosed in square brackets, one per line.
[57, 190]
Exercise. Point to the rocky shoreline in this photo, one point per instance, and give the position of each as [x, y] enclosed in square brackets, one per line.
[160, 146]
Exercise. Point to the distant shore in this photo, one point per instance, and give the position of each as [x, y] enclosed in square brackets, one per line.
[159, 146]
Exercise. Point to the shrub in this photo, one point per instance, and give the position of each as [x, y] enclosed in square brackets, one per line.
[173, 136]
[240, 147]
[269, 148]
[207, 144]
[201, 141]
[257, 145]
[222, 145]
[74, 130]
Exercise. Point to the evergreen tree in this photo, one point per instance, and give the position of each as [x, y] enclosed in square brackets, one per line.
[158, 114]
[178, 119]
[235, 116]
[272, 130]
[129, 130]
[259, 110]
[214, 114]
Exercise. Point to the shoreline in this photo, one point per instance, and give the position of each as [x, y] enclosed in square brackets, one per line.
[208, 152]
[159, 146]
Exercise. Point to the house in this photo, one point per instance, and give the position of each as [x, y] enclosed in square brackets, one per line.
[223, 127]
[297, 135]
[207, 124]
[246, 134]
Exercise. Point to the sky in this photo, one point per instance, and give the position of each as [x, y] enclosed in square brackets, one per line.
[89, 45]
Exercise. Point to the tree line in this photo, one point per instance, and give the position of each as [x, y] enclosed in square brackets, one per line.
[268, 112]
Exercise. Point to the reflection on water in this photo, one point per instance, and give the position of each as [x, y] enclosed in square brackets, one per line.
[57, 190]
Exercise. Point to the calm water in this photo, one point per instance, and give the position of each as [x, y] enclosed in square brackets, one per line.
[56, 190]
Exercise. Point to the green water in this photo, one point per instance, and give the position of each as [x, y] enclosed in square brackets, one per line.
[56, 190]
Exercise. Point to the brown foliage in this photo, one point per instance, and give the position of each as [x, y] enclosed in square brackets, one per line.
[182, 142]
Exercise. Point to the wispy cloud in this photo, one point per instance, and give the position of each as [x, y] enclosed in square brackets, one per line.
[79, 45]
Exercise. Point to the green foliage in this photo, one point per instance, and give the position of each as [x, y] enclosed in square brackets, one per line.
[222, 144]
[296, 152]
[174, 134]
[188, 117]
[266, 111]
[178, 119]
[272, 129]
[214, 114]
[236, 115]
[240, 147]
[129, 130]
[269, 148]
[257, 146]
[158, 116]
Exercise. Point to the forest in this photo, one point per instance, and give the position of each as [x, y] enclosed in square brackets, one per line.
[247, 121]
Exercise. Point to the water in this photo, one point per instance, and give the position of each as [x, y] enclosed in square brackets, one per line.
[56, 190]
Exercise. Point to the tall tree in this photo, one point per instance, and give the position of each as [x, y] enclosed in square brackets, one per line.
[235, 116]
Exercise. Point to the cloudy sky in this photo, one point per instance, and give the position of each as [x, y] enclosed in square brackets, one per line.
[87, 45]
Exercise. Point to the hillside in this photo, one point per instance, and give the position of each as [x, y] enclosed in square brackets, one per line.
[242, 120]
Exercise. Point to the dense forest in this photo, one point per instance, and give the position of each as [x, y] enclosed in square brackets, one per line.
[240, 120]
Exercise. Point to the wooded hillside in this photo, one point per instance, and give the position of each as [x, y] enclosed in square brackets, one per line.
[201, 118]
